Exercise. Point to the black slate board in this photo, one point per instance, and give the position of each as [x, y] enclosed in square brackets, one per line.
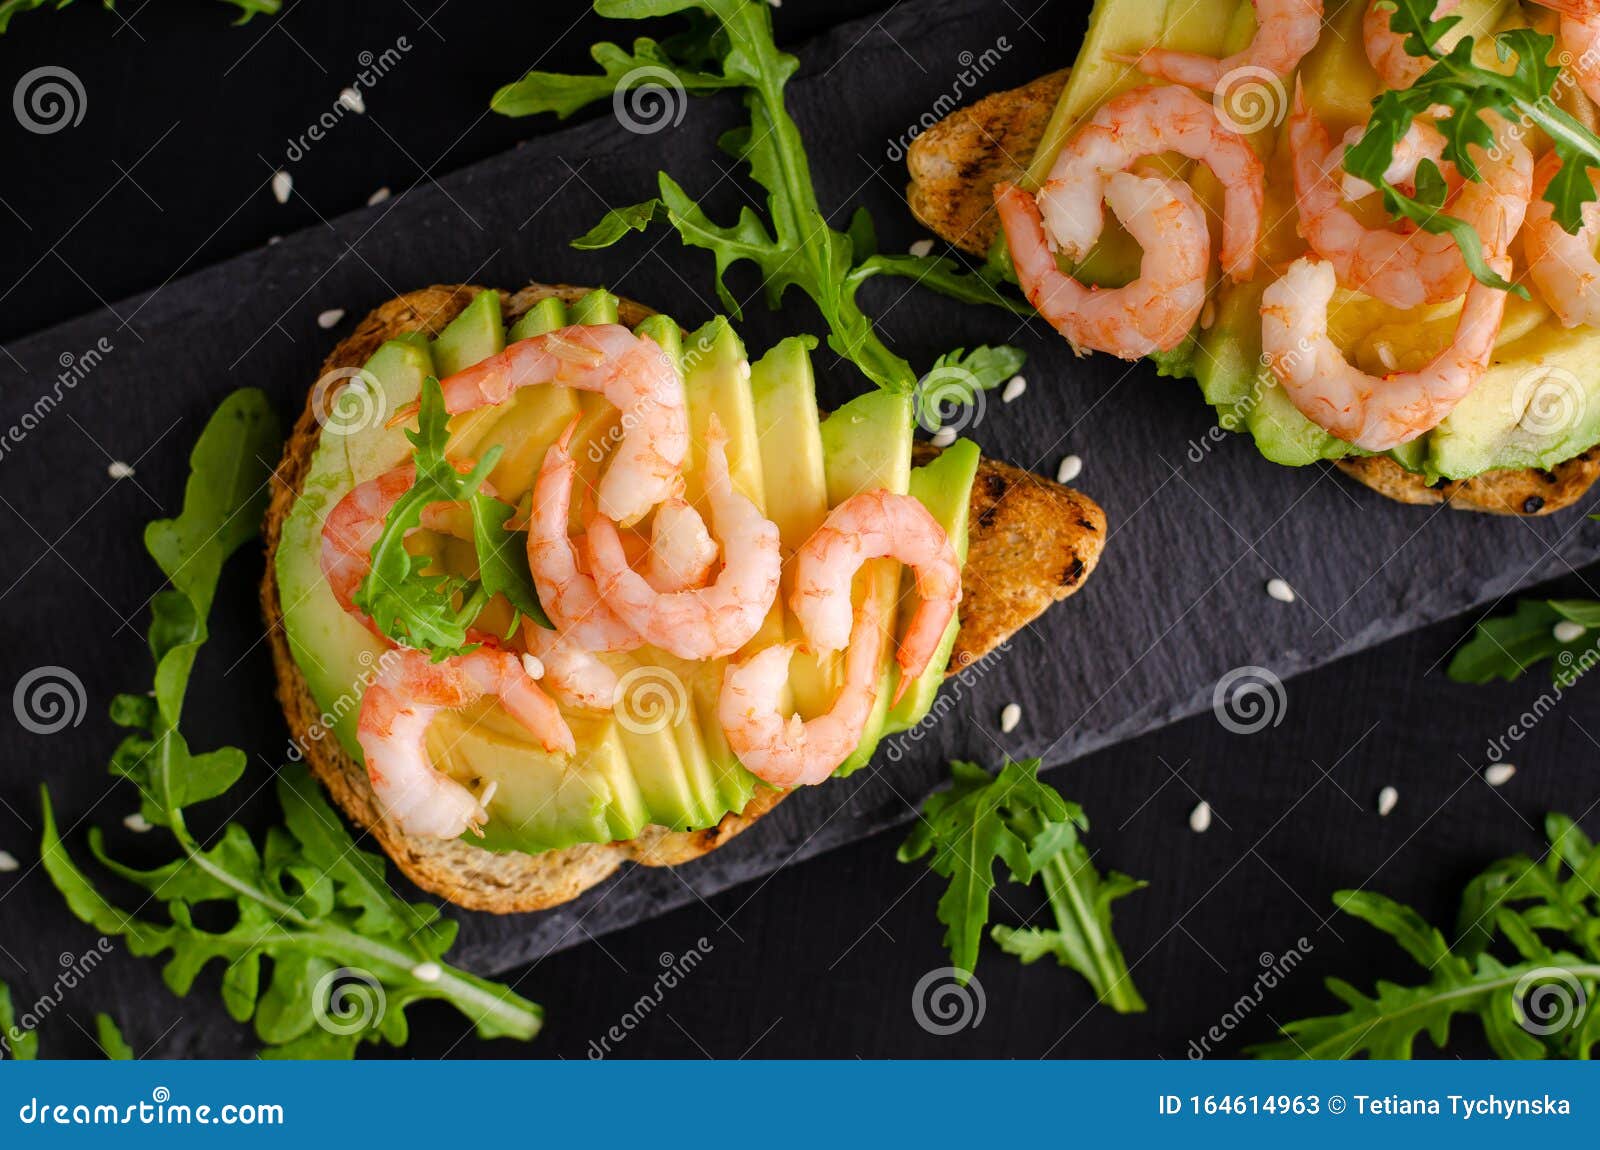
[1177, 603]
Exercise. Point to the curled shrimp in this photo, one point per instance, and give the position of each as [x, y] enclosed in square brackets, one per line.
[405, 697]
[1563, 267]
[633, 373]
[1422, 141]
[1404, 270]
[566, 591]
[876, 525]
[682, 552]
[1149, 122]
[699, 622]
[1155, 311]
[575, 676]
[352, 529]
[795, 753]
[1373, 414]
[1386, 48]
[1285, 31]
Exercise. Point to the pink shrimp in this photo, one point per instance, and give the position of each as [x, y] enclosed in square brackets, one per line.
[1422, 141]
[1149, 122]
[1374, 414]
[1563, 267]
[699, 622]
[633, 373]
[875, 525]
[396, 709]
[796, 753]
[1156, 310]
[1386, 48]
[682, 552]
[352, 529]
[1404, 270]
[1285, 31]
[1580, 40]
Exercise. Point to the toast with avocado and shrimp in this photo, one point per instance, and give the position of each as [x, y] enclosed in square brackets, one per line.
[654, 782]
[1521, 441]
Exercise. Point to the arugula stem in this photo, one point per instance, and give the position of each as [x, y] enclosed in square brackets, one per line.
[1075, 918]
[1355, 1033]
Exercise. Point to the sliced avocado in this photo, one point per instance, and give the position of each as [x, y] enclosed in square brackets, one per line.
[793, 470]
[664, 331]
[867, 445]
[598, 306]
[396, 370]
[944, 487]
[716, 381]
[548, 314]
[477, 333]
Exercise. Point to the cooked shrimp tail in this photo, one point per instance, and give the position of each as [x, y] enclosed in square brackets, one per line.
[877, 525]
[795, 753]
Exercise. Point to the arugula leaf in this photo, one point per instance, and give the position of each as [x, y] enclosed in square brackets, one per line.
[1506, 646]
[649, 65]
[1455, 81]
[433, 612]
[22, 1045]
[1539, 1006]
[247, 8]
[347, 954]
[109, 1035]
[796, 246]
[1014, 818]
[960, 374]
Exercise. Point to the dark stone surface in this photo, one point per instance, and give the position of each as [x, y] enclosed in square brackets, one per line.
[1177, 603]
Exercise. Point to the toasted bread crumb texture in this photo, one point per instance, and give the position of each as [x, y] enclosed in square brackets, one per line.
[1032, 542]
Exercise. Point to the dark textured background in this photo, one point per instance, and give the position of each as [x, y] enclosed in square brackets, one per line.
[125, 220]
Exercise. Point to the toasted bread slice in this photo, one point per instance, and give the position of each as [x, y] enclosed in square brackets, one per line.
[1031, 543]
[954, 167]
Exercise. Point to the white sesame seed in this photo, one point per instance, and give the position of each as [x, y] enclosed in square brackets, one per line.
[330, 318]
[427, 972]
[137, 823]
[1208, 315]
[378, 197]
[1386, 356]
[532, 665]
[944, 437]
[486, 796]
[1280, 590]
[1071, 467]
[282, 185]
[921, 247]
[119, 470]
[274, 240]
[352, 99]
[1010, 716]
[8, 862]
[1387, 798]
[1014, 387]
[1200, 818]
[1498, 774]
[1567, 631]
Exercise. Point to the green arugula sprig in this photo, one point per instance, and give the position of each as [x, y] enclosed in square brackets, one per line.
[247, 8]
[432, 612]
[1470, 91]
[1506, 646]
[303, 896]
[23, 1045]
[1014, 818]
[1540, 1004]
[730, 45]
